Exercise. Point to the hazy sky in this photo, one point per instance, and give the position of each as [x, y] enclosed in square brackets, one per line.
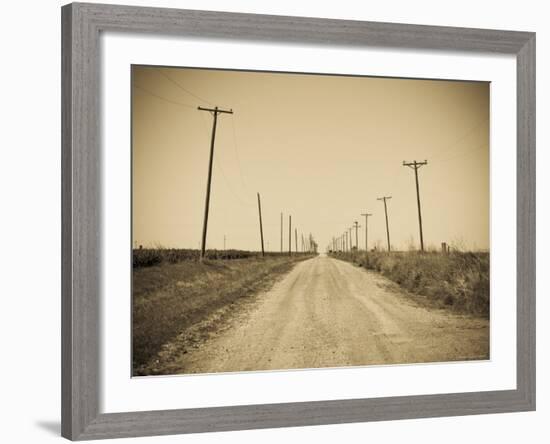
[321, 148]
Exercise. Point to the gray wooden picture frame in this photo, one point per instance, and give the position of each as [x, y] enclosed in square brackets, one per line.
[81, 174]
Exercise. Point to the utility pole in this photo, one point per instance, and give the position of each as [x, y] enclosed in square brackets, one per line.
[356, 236]
[366, 230]
[261, 228]
[350, 239]
[384, 198]
[215, 111]
[296, 239]
[289, 235]
[281, 232]
[415, 166]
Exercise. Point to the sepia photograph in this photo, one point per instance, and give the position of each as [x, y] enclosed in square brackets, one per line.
[286, 221]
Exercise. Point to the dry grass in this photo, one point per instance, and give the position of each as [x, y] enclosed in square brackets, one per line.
[147, 257]
[171, 297]
[458, 281]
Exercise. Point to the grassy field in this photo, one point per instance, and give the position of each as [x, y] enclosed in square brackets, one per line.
[171, 297]
[147, 257]
[458, 280]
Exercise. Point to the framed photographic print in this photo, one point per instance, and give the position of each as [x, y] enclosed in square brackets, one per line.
[279, 221]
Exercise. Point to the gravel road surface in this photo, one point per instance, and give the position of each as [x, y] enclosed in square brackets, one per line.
[330, 313]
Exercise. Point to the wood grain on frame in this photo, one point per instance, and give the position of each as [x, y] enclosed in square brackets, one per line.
[81, 234]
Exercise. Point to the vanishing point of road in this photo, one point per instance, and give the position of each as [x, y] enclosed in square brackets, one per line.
[330, 313]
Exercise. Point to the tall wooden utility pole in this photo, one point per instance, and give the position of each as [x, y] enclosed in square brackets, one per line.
[384, 198]
[215, 111]
[366, 230]
[281, 232]
[296, 239]
[261, 228]
[356, 224]
[289, 235]
[415, 166]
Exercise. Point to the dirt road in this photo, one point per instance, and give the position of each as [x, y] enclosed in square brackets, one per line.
[329, 313]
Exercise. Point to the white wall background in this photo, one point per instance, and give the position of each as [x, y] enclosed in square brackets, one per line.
[30, 220]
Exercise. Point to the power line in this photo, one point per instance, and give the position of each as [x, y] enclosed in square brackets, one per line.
[184, 89]
[237, 196]
[229, 187]
[243, 182]
[210, 103]
[465, 152]
[460, 139]
[218, 165]
[173, 102]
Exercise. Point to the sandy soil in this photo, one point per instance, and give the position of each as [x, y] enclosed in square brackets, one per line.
[329, 313]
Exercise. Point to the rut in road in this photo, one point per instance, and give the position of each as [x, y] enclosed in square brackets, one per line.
[329, 313]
